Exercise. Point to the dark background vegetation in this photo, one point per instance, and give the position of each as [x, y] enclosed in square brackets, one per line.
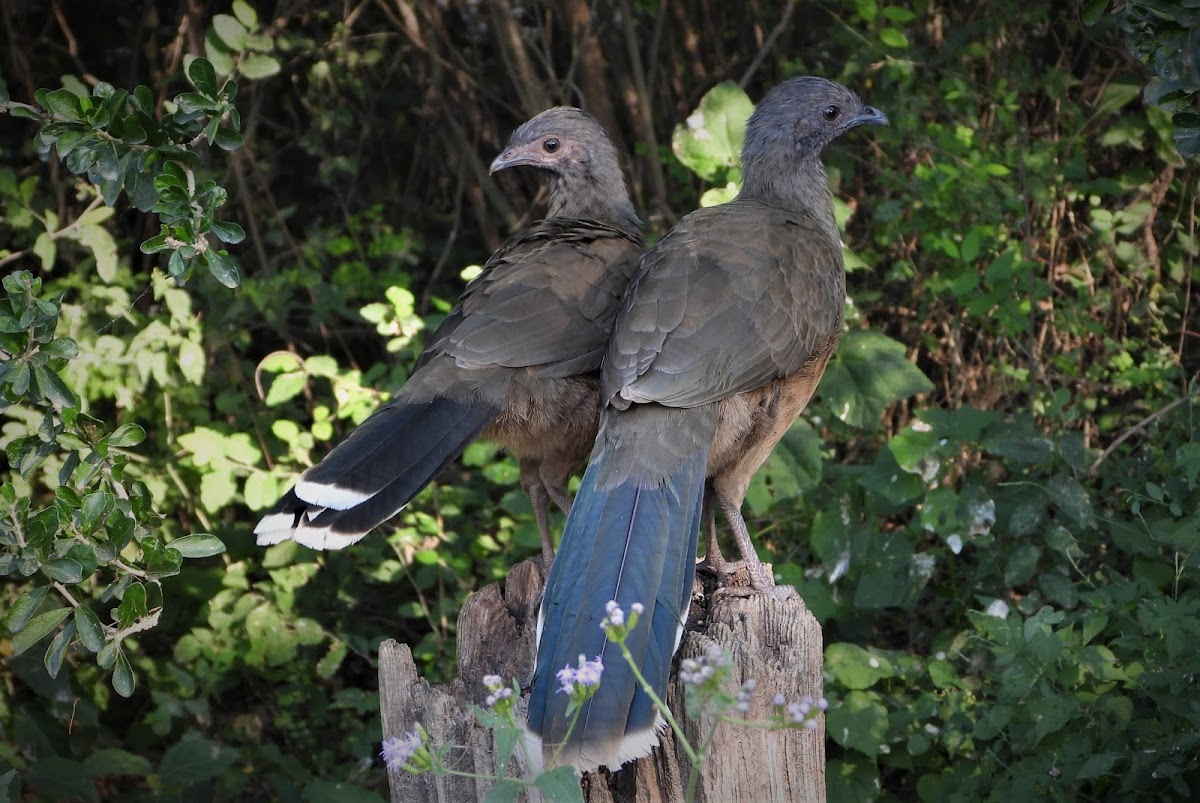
[1004, 565]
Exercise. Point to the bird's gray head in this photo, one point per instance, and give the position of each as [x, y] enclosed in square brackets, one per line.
[805, 114]
[585, 175]
[563, 140]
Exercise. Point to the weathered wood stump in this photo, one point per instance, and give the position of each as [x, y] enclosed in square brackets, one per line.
[775, 641]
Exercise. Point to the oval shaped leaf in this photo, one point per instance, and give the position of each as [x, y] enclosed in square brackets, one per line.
[127, 435]
[24, 609]
[91, 632]
[199, 545]
[124, 681]
[64, 570]
[202, 75]
[41, 626]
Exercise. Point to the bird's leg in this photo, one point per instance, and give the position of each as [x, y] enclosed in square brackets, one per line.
[760, 579]
[558, 492]
[539, 499]
[713, 559]
[541, 514]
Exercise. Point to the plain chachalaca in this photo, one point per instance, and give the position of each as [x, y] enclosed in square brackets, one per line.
[516, 361]
[718, 346]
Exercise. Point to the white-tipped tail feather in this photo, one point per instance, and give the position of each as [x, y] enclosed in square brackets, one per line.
[633, 746]
[330, 496]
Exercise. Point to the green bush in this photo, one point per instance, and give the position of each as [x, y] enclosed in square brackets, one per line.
[991, 505]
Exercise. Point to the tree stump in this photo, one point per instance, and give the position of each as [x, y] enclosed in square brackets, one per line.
[775, 641]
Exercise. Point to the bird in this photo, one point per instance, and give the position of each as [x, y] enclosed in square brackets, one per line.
[718, 346]
[516, 361]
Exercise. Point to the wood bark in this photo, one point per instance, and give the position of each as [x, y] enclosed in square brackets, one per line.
[773, 639]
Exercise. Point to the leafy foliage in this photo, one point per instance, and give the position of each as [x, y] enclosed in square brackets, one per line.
[991, 504]
[1163, 36]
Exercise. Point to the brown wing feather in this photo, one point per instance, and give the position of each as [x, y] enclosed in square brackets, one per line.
[734, 297]
[545, 300]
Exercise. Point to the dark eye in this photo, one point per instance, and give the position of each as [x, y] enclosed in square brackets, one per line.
[550, 145]
[831, 113]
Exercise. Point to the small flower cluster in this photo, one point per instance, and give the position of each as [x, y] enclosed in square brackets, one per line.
[703, 681]
[743, 695]
[580, 682]
[699, 671]
[613, 623]
[500, 697]
[802, 713]
[406, 752]
[581, 679]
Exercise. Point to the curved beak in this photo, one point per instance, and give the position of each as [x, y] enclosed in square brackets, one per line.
[869, 116]
[511, 157]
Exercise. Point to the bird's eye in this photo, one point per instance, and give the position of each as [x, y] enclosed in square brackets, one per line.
[550, 145]
[831, 113]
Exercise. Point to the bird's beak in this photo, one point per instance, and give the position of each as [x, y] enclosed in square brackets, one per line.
[869, 116]
[512, 157]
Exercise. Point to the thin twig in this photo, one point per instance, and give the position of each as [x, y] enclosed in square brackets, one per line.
[1136, 428]
[767, 44]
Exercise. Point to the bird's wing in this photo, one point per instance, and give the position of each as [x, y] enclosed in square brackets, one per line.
[732, 298]
[546, 300]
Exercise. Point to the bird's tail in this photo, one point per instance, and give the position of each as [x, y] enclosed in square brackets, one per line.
[631, 537]
[374, 473]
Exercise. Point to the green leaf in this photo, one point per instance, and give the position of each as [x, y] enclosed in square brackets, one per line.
[859, 723]
[710, 142]
[942, 674]
[505, 790]
[328, 666]
[58, 778]
[217, 489]
[219, 53]
[24, 608]
[285, 386]
[38, 628]
[53, 389]
[227, 139]
[103, 247]
[91, 632]
[340, 791]
[63, 103]
[223, 267]
[133, 604]
[114, 761]
[854, 667]
[261, 490]
[868, 373]
[64, 570]
[232, 32]
[559, 785]
[62, 347]
[227, 232]
[1072, 499]
[192, 361]
[202, 75]
[245, 14]
[123, 680]
[891, 37]
[45, 249]
[57, 650]
[257, 66]
[193, 760]
[127, 435]
[198, 545]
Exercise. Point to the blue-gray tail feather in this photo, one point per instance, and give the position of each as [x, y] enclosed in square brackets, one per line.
[629, 543]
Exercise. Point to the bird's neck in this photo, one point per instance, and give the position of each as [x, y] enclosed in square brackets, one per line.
[603, 199]
[797, 185]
